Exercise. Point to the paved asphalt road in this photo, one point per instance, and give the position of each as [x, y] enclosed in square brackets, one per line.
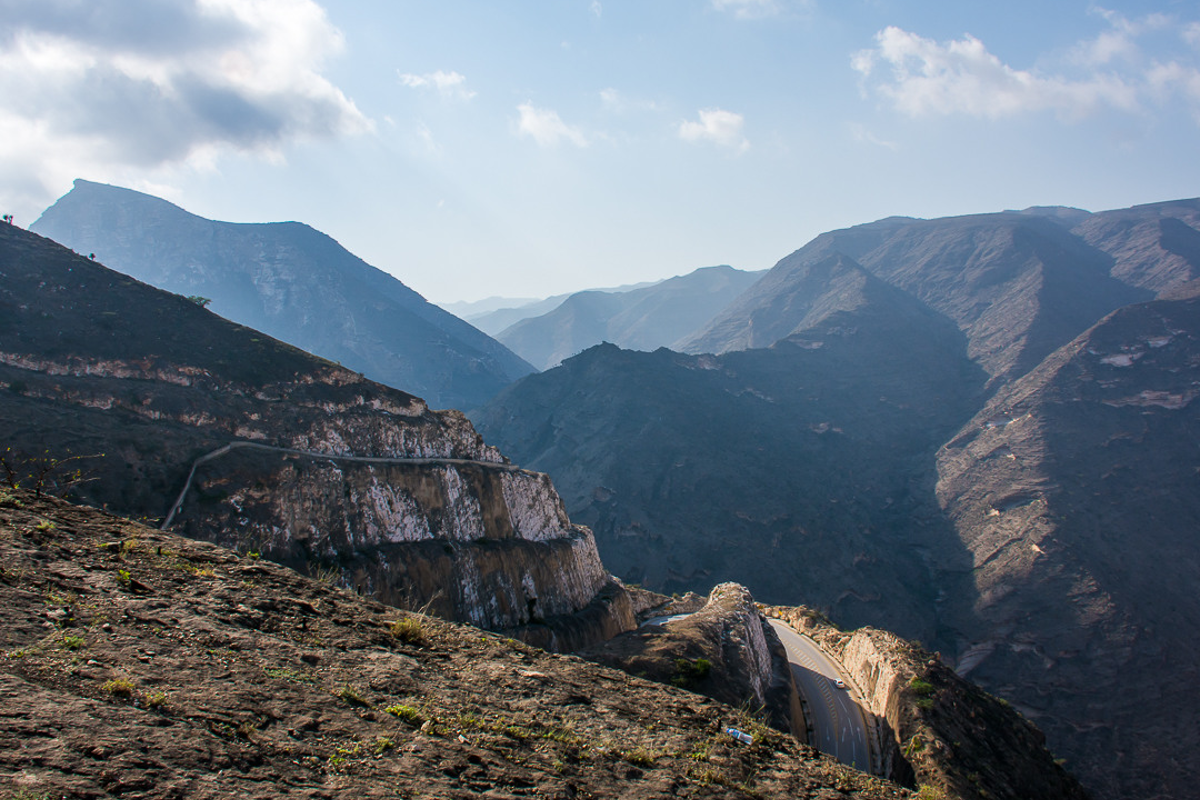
[838, 722]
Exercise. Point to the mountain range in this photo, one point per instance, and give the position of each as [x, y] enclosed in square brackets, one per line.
[291, 282]
[494, 314]
[138, 661]
[976, 431]
[642, 318]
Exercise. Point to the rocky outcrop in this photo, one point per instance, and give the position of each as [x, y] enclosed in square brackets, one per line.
[230, 436]
[725, 650]
[936, 729]
[478, 542]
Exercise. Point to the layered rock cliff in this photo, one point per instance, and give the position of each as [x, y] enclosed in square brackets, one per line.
[228, 435]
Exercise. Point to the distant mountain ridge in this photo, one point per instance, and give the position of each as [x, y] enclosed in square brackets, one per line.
[1018, 285]
[492, 318]
[292, 282]
[644, 318]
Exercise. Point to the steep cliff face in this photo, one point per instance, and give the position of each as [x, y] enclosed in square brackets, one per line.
[474, 541]
[231, 436]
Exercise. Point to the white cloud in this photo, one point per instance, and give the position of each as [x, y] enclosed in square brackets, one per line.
[718, 126]
[112, 86]
[597, 9]
[860, 133]
[547, 128]
[1119, 43]
[1114, 70]
[962, 77]
[1191, 34]
[1165, 80]
[429, 143]
[448, 84]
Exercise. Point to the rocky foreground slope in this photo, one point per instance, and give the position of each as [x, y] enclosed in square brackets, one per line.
[139, 664]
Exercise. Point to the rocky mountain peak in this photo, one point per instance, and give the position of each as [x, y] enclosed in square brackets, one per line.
[290, 282]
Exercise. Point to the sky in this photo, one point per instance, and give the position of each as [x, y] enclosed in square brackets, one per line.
[475, 148]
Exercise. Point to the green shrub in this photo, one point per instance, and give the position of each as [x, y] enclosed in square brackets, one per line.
[352, 696]
[405, 713]
[689, 674]
[409, 630]
[639, 757]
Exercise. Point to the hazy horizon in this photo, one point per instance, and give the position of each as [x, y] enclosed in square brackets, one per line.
[474, 150]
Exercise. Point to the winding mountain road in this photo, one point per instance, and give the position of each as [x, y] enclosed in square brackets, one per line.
[838, 723]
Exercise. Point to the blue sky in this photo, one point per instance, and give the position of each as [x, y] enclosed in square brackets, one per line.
[536, 147]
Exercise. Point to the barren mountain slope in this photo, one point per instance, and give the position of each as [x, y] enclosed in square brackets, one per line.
[1018, 286]
[1077, 491]
[1155, 246]
[639, 319]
